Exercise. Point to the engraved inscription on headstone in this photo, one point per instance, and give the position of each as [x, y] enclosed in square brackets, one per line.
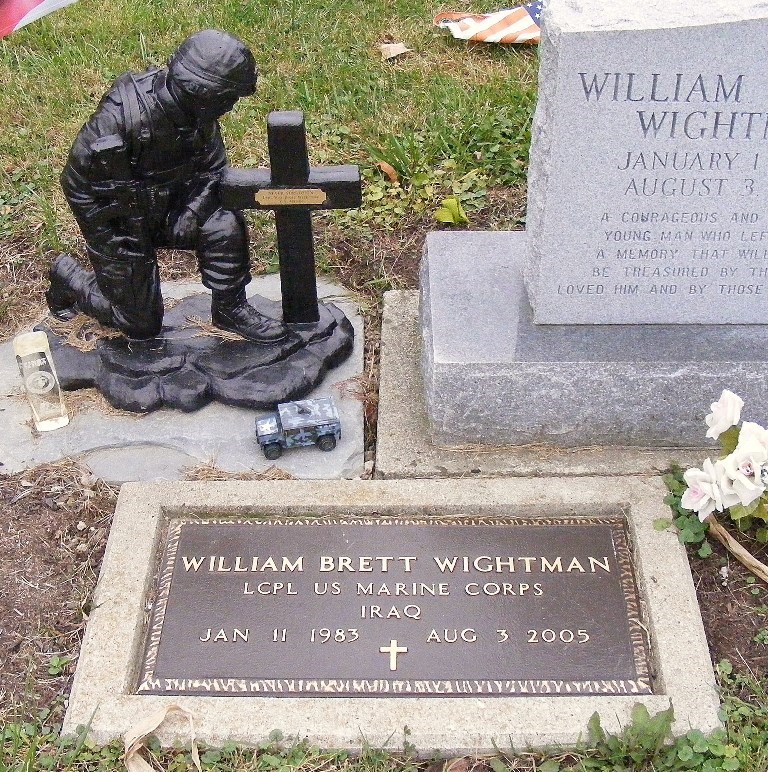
[454, 606]
[655, 169]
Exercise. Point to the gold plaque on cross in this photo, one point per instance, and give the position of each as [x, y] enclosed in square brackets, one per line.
[289, 196]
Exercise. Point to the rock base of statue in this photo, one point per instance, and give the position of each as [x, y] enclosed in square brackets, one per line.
[187, 366]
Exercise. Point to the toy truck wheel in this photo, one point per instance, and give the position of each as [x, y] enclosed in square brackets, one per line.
[272, 451]
[326, 442]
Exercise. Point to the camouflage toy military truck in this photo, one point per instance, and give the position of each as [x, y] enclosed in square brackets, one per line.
[298, 424]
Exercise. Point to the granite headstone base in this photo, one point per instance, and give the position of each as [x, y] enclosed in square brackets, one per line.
[404, 448]
[493, 376]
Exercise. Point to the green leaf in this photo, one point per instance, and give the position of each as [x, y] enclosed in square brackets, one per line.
[731, 765]
[761, 511]
[549, 766]
[691, 535]
[497, 765]
[594, 730]
[661, 523]
[737, 511]
[685, 753]
[451, 212]
[443, 215]
[728, 441]
[700, 744]
[705, 550]
[640, 717]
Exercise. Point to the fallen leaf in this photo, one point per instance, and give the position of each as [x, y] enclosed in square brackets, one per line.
[20, 496]
[135, 739]
[393, 50]
[88, 480]
[389, 170]
[457, 765]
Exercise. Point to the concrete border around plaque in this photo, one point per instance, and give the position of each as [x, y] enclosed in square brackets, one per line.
[103, 694]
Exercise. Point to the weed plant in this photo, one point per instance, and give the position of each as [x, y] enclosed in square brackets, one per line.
[690, 529]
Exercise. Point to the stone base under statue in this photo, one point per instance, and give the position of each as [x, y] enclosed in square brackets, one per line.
[186, 367]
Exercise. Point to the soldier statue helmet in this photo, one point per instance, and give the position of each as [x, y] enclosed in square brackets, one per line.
[143, 174]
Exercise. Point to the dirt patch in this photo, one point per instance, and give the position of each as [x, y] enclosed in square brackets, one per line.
[53, 530]
[734, 607]
[372, 262]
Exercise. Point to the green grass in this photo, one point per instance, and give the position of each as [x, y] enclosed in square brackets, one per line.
[446, 101]
[644, 746]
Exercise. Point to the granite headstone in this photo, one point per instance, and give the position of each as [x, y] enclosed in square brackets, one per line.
[637, 293]
[648, 176]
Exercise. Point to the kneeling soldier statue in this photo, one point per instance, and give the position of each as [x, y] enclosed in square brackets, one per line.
[142, 174]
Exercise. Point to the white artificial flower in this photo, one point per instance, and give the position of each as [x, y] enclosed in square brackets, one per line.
[704, 494]
[743, 469]
[725, 413]
[752, 435]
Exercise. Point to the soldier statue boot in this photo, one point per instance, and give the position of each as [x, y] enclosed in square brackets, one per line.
[74, 289]
[231, 311]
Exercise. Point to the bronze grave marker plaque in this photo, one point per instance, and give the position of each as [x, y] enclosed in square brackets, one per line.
[396, 607]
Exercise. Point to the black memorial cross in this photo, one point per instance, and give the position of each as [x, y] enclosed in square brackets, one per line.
[292, 188]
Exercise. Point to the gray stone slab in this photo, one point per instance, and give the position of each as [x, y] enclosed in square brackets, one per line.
[164, 444]
[648, 179]
[494, 376]
[103, 690]
[404, 448]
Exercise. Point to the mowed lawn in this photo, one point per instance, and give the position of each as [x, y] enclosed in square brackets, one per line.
[450, 118]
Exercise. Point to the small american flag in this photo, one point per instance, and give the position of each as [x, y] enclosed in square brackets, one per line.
[510, 25]
[15, 14]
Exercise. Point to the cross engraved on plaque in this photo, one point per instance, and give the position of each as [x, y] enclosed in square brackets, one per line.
[292, 188]
[393, 650]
